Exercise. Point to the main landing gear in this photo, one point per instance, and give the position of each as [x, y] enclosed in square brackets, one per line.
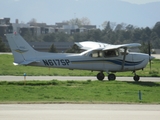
[101, 76]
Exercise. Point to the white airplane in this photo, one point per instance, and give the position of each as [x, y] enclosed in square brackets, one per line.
[97, 57]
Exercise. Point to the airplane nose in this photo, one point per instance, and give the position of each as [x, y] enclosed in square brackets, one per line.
[151, 57]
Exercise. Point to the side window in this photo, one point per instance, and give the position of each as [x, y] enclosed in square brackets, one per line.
[94, 54]
[97, 54]
[111, 53]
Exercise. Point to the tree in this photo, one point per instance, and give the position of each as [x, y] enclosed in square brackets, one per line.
[61, 37]
[53, 49]
[121, 26]
[130, 27]
[148, 31]
[79, 22]
[144, 37]
[136, 34]
[85, 21]
[2, 46]
[155, 40]
[28, 36]
[108, 27]
[145, 47]
[104, 24]
[73, 49]
[33, 21]
[157, 28]
[97, 35]
[111, 24]
[49, 37]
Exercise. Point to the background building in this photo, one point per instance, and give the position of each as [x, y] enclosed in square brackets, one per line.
[42, 28]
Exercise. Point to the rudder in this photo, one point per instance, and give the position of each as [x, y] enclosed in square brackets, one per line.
[21, 50]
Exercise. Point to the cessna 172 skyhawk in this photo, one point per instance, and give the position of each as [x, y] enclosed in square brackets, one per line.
[96, 57]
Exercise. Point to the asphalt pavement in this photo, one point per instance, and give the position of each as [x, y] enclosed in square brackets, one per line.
[82, 78]
[79, 112]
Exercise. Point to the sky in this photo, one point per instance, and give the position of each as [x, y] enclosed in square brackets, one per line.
[141, 1]
[130, 1]
[135, 12]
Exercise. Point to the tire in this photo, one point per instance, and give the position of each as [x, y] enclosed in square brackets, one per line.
[100, 76]
[136, 78]
[111, 77]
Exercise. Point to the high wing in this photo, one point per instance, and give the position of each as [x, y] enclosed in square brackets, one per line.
[131, 45]
[87, 45]
[103, 46]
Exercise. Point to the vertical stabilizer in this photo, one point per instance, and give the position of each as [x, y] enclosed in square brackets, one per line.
[21, 50]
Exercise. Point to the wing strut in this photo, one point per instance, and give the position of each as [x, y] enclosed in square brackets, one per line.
[124, 57]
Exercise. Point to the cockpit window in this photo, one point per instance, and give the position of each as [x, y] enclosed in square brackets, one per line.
[111, 53]
[107, 53]
[121, 50]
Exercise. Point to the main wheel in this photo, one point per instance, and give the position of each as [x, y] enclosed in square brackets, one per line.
[136, 78]
[111, 77]
[100, 76]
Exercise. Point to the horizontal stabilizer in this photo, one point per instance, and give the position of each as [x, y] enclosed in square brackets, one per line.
[26, 62]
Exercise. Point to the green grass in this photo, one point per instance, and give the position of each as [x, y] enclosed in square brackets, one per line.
[79, 92]
[7, 68]
[75, 91]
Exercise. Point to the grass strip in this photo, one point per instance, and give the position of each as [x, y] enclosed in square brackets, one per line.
[79, 92]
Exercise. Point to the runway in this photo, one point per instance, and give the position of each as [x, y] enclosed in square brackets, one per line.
[79, 112]
[82, 78]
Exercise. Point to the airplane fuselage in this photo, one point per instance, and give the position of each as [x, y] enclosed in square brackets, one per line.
[133, 61]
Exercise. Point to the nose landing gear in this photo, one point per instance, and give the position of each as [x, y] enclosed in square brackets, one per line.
[136, 77]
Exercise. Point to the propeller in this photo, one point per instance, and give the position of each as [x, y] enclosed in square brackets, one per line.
[149, 53]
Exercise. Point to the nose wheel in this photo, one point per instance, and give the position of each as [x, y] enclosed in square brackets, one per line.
[136, 77]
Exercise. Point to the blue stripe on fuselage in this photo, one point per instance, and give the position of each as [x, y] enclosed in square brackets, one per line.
[117, 62]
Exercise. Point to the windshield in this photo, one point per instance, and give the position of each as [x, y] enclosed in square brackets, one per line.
[122, 50]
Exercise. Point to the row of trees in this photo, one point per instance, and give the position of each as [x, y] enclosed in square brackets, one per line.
[2, 46]
[119, 34]
[111, 33]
